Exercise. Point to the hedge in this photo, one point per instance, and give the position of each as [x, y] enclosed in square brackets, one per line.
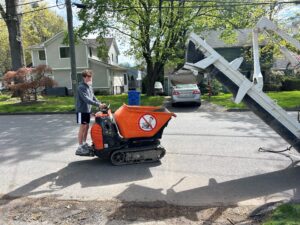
[291, 84]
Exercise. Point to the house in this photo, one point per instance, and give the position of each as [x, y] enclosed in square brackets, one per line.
[230, 51]
[109, 77]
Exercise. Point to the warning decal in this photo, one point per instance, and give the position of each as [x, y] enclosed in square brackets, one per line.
[147, 122]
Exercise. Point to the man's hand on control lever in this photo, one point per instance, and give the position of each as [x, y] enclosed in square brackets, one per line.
[102, 106]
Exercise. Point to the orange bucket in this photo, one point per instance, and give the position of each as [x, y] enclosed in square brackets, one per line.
[141, 121]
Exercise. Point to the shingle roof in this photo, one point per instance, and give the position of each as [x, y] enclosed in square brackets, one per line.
[93, 42]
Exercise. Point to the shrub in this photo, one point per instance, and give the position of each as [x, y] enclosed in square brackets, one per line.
[28, 82]
[290, 84]
[215, 86]
[271, 87]
[102, 92]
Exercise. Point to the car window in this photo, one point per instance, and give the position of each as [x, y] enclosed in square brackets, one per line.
[186, 86]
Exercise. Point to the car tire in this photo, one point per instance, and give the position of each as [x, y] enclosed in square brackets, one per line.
[174, 104]
[198, 104]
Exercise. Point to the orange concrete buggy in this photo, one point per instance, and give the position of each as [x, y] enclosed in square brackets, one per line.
[131, 134]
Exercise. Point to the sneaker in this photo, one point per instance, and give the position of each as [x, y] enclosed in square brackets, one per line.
[82, 151]
[87, 146]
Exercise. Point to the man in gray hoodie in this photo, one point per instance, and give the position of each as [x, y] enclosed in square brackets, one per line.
[85, 98]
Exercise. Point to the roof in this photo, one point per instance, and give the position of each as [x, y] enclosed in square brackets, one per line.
[243, 39]
[113, 67]
[119, 68]
[42, 45]
[89, 41]
[36, 46]
[99, 62]
[94, 42]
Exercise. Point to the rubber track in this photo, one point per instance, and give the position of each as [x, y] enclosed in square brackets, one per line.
[158, 151]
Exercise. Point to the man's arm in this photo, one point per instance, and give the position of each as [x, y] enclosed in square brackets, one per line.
[86, 98]
[96, 100]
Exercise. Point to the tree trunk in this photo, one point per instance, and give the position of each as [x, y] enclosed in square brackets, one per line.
[153, 73]
[15, 42]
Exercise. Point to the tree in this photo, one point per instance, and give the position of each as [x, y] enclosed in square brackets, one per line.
[13, 20]
[30, 81]
[38, 25]
[5, 58]
[158, 28]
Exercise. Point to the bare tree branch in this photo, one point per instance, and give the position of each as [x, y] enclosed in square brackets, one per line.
[122, 32]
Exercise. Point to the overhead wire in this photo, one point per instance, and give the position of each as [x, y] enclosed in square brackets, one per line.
[26, 3]
[220, 4]
[36, 10]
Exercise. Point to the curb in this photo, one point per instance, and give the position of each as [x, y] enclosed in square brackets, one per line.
[33, 113]
[248, 110]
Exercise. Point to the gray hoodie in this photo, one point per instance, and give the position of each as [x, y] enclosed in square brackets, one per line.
[85, 98]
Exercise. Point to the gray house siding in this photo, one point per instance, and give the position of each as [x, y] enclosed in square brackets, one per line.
[86, 58]
[35, 57]
[53, 53]
[63, 78]
[101, 80]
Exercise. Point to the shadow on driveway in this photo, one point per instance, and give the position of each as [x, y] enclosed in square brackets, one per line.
[89, 173]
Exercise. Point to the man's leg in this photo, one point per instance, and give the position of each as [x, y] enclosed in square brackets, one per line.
[81, 134]
[85, 133]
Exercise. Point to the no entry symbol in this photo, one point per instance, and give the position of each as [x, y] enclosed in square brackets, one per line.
[147, 122]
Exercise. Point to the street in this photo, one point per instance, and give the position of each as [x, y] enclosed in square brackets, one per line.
[212, 159]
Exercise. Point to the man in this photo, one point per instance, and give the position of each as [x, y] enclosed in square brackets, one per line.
[85, 98]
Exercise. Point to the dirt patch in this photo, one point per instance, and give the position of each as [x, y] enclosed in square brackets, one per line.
[52, 211]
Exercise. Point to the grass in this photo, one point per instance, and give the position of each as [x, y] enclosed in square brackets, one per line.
[66, 104]
[287, 214]
[286, 99]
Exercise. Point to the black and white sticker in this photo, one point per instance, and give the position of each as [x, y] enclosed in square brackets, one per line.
[147, 122]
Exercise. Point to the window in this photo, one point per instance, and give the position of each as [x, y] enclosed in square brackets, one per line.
[42, 55]
[112, 57]
[91, 53]
[79, 77]
[125, 79]
[64, 52]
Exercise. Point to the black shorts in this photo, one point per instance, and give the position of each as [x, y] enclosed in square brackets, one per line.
[83, 118]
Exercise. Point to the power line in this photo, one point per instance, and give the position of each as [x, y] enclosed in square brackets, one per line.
[223, 4]
[26, 3]
[32, 11]
[219, 4]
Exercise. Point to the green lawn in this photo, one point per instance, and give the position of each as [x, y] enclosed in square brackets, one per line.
[286, 99]
[287, 214]
[66, 104]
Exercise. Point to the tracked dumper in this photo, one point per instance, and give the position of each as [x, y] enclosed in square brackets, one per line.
[131, 135]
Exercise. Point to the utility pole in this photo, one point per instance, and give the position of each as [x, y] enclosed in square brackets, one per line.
[72, 47]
